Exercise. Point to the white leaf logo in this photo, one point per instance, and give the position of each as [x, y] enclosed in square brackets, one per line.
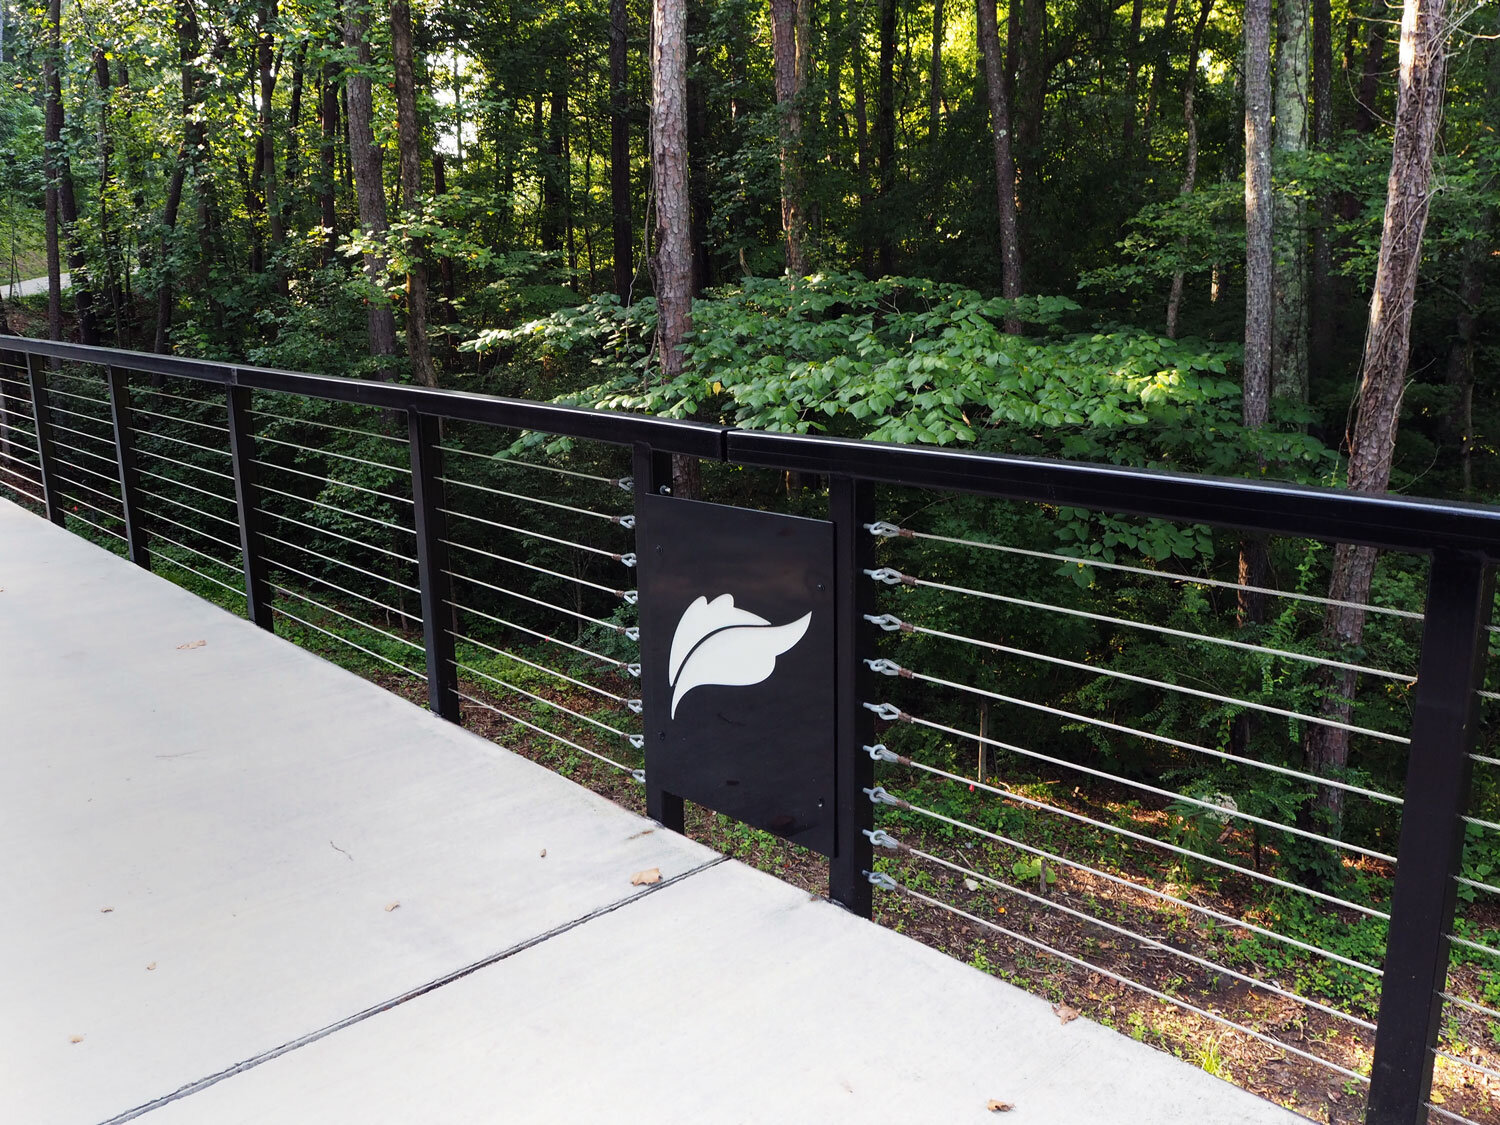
[719, 644]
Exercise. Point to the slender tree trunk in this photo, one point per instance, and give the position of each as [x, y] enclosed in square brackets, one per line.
[1159, 70]
[1365, 117]
[1132, 74]
[885, 134]
[554, 189]
[700, 201]
[1258, 212]
[266, 148]
[1387, 348]
[448, 282]
[788, 92]
[935, 85]
[366, 158]
[1459, 425]
[328, 179]
[1190, 175]
[108, 237]
[622, 223]
[1289, 240]
[62, 204]
[409, 132]
[862, 132]
[1005, 165]
[1028, 101]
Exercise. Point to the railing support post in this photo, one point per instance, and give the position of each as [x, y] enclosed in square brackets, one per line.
[252, 546]
[652, 471]
[1460, 599]
[119, 411]
[433, 574]
[41, 415]
[851, 505]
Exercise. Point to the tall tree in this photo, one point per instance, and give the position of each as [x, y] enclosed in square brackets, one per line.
[788, 83]
[365, 157]
[1377, 407]
[409, 140]
[1289, 240]
[622, 223]
[1005, 165]
[51, 160]
[1258, 308]
[1190, 174]
[885, 134]
[1323, 299]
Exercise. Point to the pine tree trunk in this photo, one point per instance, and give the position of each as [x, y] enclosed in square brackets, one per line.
[1258, 212]
[1387, 349]
[1289, 240]
[788, 91]
[1005, 165]
[409, 133]
[366, 159]
[622, 223]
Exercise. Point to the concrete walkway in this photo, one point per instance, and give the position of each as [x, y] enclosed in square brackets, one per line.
[34, 285]
[244, 885]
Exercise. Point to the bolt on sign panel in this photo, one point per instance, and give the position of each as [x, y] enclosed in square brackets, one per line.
[737, 663]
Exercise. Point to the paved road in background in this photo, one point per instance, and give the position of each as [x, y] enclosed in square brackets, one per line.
[32, 286]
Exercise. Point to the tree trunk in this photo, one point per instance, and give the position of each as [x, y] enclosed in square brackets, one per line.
[700, 201]
[446, 276]
[784, 50]
[935, 86]
[1005, 165]
[1132, 75]
[1258, 212]
[1365, 117]
[328, 179]
[1387, 348]
[266, 147]
[108, 238]
[1289, 240]
[1323, 303]
[1159, 70]
[619, 154]
[554, 170]
[1028, 102]
[1190, 175]
[862, 137]
[409, 132]
[366, 158]
[885, 134]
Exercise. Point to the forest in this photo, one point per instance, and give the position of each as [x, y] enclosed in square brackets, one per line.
[1221, 236]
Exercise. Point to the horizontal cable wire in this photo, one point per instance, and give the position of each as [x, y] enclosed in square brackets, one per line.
[332, 426]
[190, 508]
[159, 393]
[540, 699]
[104, 402]
[1170, 794]
[333, 481]
[528, 465]
[184, 464]
[1442, 1054]
[10, 454]
[332, 453]
[201, 554]
[200, 574]
[538, 569]
[531, 534]
[109, 441]
[544, 636]
[179, 419]
[1072, 560]
[335, 508]
[1486, 760]
[539, 667]
[1129, 834]
[219, 496]
[26, 402]
[337, 535]
[23, 492]
[110, 478]
[97, 526]
[538, 601]
[92, 418]
[280, 565]
[1469, 1004]
[1201, 962]
[341, 562]
[188, 527]
[347, 617]
[112, 497]
[535, 500]
[1164, 630]
[182, 441]
[1478, 947]
[275, 608]
[1093, 968]
[1477, 885]
[94, 508]
[1490, 824]
[86, 453]
[1449, 1114]
[543, 730]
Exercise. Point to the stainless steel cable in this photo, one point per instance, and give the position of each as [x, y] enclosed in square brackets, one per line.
[159, 393]
[535, 500]
[81, 398]
[275, 608]
[95, 508]
[18, 489]
[332, 426]
[282, 565]
[140, 433]
[340, 562]
[178, 503]
[1122, 931]
[113, 498]
[1485, 759]
[76, 515]
[188, 527]
[11, 455]
[1486, 1071]
[333, 481]
[178, 419]
[510, 461]
[219, 496]
[538, 601]
[348, 617]
[334, 454]
[891, 531]
[891, 577]
[1477, 885]
[155, 534]
[1089, 966]
[540, 699]
[85, 452]
[336, 535]
[261, 486]
[1490, 824]
[1478, 947]
[200, 574]
[543, 730]
[1469, 1004]
[109, 478]
[184, 464]
[1449, 1114]
[91, 418]
[539, 667]
[531, 534]
[538, 569]
[1186, 853]
[55, 425]
[610, 660]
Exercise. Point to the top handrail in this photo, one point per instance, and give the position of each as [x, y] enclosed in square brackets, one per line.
[1381, 520]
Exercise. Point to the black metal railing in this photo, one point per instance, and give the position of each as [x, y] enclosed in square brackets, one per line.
[424, 515]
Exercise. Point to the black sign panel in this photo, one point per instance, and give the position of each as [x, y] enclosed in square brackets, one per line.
[737, 663]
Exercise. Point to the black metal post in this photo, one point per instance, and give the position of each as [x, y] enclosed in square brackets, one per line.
[851, 505]
[1460, 599]
[433, 574]
[41, 415]
[119, 410]
[252, 546]
[652, 471]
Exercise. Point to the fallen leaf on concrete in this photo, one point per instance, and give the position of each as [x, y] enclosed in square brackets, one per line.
[151, 968]
[1064, 1013]
[391, 907]
[544, 853]
[999, 1107]
[193, 644]
[106, 910]
[75, 1039]
[650, 875]
[972, 884]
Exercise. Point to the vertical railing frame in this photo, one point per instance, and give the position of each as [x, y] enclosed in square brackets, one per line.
[119, 413]
[1455, 641]
[434, 577]
[652, 472]
[41, 416]
[252, 543]
[851, 505]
